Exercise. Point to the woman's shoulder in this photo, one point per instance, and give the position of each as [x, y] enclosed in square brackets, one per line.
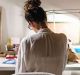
[30, 38]
[25, 39]
[61, 37]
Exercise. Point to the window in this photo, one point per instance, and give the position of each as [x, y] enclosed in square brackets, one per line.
[67, 24]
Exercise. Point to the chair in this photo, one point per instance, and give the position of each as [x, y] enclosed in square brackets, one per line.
[34, 73]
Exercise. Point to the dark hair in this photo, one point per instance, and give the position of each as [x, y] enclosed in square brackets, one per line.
[33, 11]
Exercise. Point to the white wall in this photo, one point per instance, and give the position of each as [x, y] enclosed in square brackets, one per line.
[70, 29]
[12, 21]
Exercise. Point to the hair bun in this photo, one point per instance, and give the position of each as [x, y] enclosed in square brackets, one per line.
[32, 4]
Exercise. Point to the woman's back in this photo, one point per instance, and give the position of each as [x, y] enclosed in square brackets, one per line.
[47, 52]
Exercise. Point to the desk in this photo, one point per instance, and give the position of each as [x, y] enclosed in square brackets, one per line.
[6, 67]
[11, 67]
[74, 66]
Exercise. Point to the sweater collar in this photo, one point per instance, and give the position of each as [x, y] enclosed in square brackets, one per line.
[44, 30]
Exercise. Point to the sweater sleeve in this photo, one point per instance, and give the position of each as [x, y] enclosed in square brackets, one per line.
[20, 63]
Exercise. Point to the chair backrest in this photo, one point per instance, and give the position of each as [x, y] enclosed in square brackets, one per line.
[34, 73]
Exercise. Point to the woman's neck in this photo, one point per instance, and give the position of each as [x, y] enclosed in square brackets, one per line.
[41, 26]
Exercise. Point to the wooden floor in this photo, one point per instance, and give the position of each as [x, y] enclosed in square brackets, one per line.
[64, 73]
[6, 72]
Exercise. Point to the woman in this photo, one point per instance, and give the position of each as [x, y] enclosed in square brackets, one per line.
[44, 51]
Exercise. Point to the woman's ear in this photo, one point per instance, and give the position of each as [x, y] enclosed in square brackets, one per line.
[33, 24]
